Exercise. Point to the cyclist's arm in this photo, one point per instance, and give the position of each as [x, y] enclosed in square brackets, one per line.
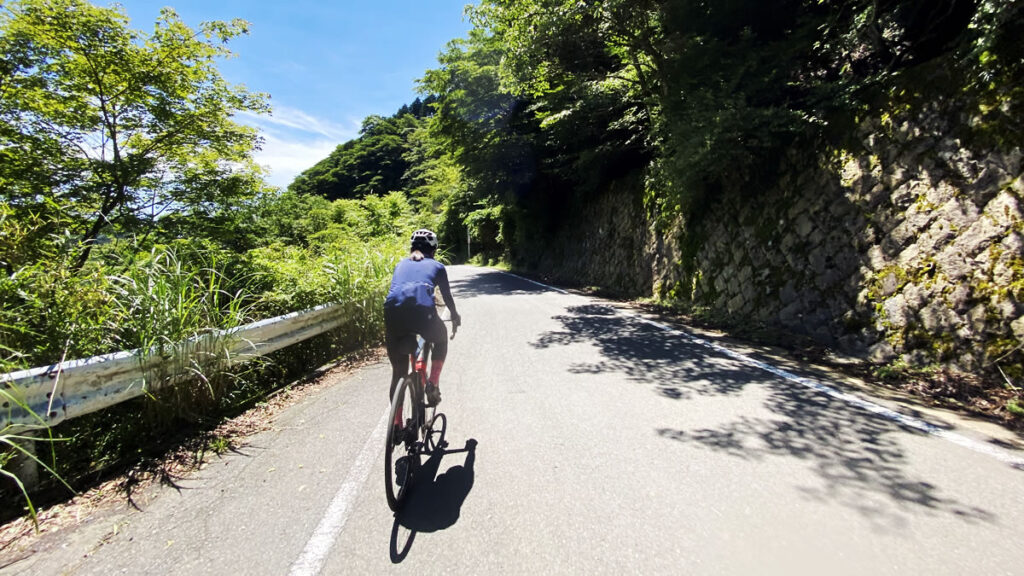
[446, 291]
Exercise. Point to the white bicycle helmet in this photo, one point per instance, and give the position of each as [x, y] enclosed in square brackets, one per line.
[424, 238]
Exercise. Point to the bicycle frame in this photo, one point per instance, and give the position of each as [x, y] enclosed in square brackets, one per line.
[418, 373]
[418, 360]
[420, 434]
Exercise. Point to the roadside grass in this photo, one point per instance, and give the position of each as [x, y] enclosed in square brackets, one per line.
[483, 260]
[21, 447]
[158, 300]
[125, 442]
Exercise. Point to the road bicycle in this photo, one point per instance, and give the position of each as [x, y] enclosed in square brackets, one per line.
[422, 429]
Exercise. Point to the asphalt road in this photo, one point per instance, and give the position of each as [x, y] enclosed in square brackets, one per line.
[583, 440]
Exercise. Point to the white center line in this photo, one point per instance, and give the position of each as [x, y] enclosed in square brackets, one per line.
[313, 556]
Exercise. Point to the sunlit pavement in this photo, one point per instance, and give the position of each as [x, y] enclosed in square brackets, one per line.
[582, 441]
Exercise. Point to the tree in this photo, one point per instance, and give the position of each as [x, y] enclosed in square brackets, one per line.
[372, 164]
[114, 127]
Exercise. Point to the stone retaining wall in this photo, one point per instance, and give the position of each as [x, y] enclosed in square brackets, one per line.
[911, 245]
[605, 244]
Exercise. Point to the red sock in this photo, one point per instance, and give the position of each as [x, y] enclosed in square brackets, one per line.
[435, 371]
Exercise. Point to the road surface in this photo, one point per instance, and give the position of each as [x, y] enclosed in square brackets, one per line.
[583, 440]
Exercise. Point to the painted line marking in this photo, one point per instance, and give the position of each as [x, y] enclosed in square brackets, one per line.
[311, 561]
[534, 282]
[908, 421]
[1000, 454]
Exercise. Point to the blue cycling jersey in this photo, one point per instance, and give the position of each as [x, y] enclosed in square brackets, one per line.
[413, 284]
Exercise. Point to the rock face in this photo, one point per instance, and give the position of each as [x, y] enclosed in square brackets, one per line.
[606, 244]
[910, 246]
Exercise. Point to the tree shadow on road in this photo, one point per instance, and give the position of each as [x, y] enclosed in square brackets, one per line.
[495, 284]
[678, 368]
[435, 501]
[857, 455]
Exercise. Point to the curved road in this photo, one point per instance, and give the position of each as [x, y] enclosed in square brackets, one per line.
[584, 440]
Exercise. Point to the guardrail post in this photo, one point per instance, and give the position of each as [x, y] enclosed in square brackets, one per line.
[24, 467]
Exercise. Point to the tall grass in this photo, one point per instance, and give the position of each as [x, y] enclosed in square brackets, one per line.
[171, 303]
[347, 271]
[155, 299]
[48, 313]
[159, 298]
[164, 298]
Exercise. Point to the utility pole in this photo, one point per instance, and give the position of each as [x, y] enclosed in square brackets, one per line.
[467, 244]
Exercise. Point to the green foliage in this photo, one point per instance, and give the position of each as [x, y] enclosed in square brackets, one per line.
[546, 101]
[433, 175]
[348, 255]
[590, 72]
[47, 313]
[16, 446]
[132, 217]
[294, 279]
[375, 163]
[111, 126]
[485, 128]
[312, 251]
[169, 295]
[893, 371]
[486, 226]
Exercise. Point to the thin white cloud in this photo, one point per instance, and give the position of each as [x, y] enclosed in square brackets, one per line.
[294, 141]
[287, 158]
[296, 119]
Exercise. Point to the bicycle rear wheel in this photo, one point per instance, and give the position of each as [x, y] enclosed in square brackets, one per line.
[401, 452]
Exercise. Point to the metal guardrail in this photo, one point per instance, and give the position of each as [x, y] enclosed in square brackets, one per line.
[62, 391]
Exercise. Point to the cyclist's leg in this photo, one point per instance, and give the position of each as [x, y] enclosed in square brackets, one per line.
[437, 333]
[398, 324]
[399, 366]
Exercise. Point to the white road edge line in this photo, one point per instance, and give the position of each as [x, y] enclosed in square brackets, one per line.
[1000, 454]
[311, 561]
[908, 421]
[533, 282]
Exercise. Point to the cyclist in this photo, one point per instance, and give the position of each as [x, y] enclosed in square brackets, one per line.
[409, 309]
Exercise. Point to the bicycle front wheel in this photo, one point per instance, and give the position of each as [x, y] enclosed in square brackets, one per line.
[401, 453]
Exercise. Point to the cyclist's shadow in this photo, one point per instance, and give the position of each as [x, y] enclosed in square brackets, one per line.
[435, 501]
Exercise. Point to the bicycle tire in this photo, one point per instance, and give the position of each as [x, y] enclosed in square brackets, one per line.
[398, 477]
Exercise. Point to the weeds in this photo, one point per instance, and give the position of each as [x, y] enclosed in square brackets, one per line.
[172, 300]
[19, 450]
[219, 445]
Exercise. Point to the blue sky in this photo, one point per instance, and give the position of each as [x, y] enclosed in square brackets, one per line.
[327, 65]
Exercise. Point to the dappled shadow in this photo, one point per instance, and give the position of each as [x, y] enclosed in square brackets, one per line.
[856, 454]
[676, 367]
[435, 501]
[494, 284]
